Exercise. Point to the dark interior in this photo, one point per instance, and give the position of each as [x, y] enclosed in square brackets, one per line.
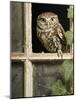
[37, 8]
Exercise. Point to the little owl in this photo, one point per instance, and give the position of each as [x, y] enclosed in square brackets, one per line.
[51, 33]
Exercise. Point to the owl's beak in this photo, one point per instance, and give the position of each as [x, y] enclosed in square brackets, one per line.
[48, 24]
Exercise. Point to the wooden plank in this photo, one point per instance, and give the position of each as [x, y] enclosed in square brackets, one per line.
[16, 27]
[17, 80]
[18, 56]
[49, 56]
[40, 56]
[27, 28]
[28, 79]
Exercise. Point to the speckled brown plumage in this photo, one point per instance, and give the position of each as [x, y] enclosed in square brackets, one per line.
[51, 33]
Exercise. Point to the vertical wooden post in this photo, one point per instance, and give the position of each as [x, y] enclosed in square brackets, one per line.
[28, 70]
[28, 79]
[27, 28]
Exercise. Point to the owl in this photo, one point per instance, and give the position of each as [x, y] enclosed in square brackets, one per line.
[51, 33]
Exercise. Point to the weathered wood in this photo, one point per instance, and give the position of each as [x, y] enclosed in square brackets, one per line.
[28, 57]
[27, 28]
[18, 56]
[16, 27]
[48, 56]
[28, 79]
[40, 56]
[17, 80]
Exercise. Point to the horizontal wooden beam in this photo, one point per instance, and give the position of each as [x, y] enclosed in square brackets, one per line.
[18, 56]
[48, 56]
[40, 56]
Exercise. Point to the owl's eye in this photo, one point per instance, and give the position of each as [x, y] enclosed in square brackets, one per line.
[42, 19]
[52, 19]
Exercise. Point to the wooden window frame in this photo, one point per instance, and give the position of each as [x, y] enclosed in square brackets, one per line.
[28, 56]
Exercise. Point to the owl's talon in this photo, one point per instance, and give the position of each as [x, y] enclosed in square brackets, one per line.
[60, 54]
[42, 52]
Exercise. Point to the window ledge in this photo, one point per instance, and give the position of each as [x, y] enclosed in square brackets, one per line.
[40, 56]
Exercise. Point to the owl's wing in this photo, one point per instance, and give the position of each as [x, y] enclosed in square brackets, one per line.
[60, 31]
[61, 35]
